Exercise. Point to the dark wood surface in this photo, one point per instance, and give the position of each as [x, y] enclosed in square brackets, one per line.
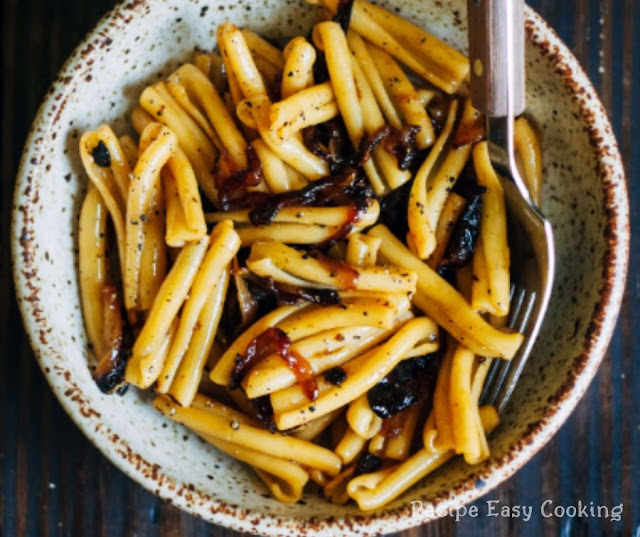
[53, 482]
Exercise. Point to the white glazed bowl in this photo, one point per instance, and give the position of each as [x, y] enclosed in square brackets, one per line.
[141, 41]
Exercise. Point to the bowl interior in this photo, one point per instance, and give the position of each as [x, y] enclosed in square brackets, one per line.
[100, 85]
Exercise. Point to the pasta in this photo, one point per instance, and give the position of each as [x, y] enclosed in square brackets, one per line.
[253, 241]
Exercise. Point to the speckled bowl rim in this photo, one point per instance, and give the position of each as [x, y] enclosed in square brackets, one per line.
[560, 405]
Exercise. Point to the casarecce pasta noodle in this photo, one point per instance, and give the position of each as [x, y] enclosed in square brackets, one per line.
[302, 248]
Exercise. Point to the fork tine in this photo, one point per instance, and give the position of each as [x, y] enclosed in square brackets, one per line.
[516, 365]
[504, 373]
[496, 371]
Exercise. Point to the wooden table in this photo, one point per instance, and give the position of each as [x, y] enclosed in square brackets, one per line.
[54, 482]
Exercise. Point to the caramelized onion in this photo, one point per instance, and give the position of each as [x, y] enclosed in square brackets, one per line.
[109, 373]
[273, 340]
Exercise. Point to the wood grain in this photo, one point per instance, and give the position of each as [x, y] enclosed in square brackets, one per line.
[53, 482]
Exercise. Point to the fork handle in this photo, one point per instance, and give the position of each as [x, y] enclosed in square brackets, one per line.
[492, 50]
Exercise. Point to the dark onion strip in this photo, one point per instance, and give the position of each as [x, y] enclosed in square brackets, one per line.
[392, 427]
[273, 340]
[335, 375]
[234, 188]
[290, 294]
[404, 386]
[264, 411]
[400, 142]
[469, 133]
[464, 238]
[339, 189]
[101, 155]
[109, 373]
[367, 463]
[346, 275]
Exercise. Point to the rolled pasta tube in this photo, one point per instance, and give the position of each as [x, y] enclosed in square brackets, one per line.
[178, 232]
[179, 92]
[271, 75]
[311, 115]
[129, 150]
[93, 264]
[480, 285]
[279, 176]
[323, 351]
[368, 67]
[451, 212]
[171, 295]
[377, 445]
[285, 480]
[463, 409]
[288, 109]
[140, 119]
[187, 377]
[362, 419]
[143, 370]
[425, 96]
[372, 31]
[291, 149]
[398, 448]
[528, 148]
[336, 489]
[261, 47]
[294, 396]
[221, 373]
[109, 180]
[291, 233]
[359, 312]
[185, 181]
[360, 381]
[442, 420]
[144, 180]
[421, 235]
[224, 245]
[329, 37]
[386, 163]
[372, 491]
[317, 477]
[153, 262]
[235, 50]
[203, 91]
[350, 446]
[159, 103]
[493, 231]
[362, 250]
[298, 264]
[209, 404]
[211, 66]
[446, 306]
[315, 427]
[442, 181]
[404, 96]
[299, 233]
[283, 491]
[297, 73]
[328, 216]
[250, 437]
[442, 59]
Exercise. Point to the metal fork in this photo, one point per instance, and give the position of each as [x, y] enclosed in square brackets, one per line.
[496, 53]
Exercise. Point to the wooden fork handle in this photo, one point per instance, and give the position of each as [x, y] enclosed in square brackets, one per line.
[491, 46]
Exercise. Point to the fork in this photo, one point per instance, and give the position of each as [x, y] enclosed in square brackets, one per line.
[496, 54]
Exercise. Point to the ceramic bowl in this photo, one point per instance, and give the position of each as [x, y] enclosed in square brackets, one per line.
[141, 41]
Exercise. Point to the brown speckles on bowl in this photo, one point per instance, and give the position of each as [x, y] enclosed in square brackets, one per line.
[584, 196]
